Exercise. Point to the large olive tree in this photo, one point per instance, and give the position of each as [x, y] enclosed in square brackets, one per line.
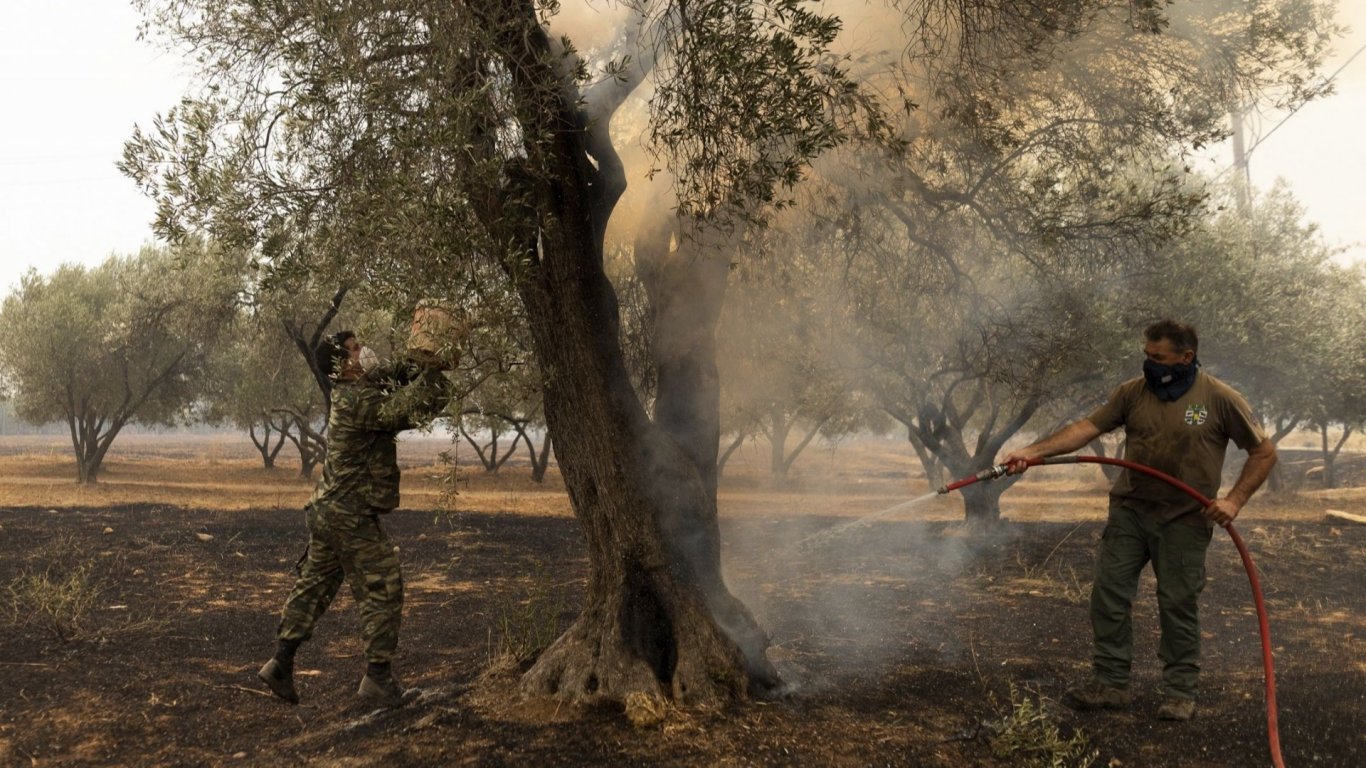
[407, 146]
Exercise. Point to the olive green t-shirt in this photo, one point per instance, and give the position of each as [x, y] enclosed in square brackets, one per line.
[1184, 438]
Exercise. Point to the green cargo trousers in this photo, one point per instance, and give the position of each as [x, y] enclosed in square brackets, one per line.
[351, 546]
[1177, 551]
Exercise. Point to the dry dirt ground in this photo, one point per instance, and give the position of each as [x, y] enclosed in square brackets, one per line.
[134, 614]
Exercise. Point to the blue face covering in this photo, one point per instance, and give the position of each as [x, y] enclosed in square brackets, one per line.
[1169, 382]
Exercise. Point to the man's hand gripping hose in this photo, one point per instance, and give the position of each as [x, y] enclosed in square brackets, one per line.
[1001, 470]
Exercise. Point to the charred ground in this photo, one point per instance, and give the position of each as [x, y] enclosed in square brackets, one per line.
[901, 642]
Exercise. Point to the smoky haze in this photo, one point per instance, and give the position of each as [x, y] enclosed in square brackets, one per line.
[795, 331]
[807, 587]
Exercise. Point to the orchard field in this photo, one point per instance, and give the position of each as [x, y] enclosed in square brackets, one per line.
[134, 613]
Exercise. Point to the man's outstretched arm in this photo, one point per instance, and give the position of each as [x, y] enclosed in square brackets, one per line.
[1066, 440]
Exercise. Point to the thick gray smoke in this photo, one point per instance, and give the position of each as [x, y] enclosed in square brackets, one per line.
[844, 600]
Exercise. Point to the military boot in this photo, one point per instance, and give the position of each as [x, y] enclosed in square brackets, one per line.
[280, 679]
[379, 687]
[1096, 694]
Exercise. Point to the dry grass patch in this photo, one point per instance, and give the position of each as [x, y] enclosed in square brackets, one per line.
[68, 592]
[524, 627]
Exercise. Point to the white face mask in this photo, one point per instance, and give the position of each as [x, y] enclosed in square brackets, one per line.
[369, 359]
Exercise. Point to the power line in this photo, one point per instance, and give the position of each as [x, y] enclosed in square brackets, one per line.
[1291, 114]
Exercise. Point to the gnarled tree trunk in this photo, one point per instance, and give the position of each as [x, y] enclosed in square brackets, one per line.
[652, 622]
[687, 288]
[540, 461]
[263, 446]
[657, 620]
[982, 502]
[90, 443]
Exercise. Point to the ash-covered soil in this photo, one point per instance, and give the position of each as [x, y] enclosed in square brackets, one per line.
[902, 644]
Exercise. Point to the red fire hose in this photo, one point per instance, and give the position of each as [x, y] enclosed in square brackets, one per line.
[1273, 732]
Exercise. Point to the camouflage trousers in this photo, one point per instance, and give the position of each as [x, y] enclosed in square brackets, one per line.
[350, 546]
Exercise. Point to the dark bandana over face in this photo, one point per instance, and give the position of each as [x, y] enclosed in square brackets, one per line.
[1169, 382]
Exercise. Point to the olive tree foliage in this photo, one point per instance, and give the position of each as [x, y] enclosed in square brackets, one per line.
[126, 342]
[1338, 408]
[1278, 318]
[1058, 130]
[965, 357]
[500, 383]
[421, 149]
[1042, 170]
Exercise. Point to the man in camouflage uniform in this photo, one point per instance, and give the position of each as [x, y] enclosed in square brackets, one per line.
[359, 483]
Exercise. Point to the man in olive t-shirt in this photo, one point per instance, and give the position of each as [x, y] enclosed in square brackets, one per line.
[1179, 420]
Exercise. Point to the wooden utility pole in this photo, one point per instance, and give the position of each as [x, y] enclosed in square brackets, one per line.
[1244, 182]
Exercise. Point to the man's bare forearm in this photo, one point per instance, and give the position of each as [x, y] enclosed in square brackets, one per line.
[1065, 440]
[1068, 439]
[1260, 461]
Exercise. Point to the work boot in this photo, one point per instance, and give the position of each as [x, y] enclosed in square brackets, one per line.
[280, 679]
[379, 687]
[1096, 694]
[1176, 708]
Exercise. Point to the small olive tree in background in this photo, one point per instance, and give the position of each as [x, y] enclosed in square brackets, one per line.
[125, 342]
[260, 385]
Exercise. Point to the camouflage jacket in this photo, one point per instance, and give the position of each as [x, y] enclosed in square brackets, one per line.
[360, 472]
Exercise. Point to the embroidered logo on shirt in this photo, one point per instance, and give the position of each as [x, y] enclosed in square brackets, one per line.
[1196, 414]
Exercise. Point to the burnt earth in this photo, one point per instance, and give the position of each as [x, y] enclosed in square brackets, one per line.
[902, 649]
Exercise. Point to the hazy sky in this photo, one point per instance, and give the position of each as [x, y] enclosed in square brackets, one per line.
[74, 80]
